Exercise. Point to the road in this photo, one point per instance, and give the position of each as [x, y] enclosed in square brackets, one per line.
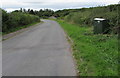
[40, 51]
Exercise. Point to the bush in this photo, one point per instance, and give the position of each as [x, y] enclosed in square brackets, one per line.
[16, 20]
[79, 17]
[86, 15]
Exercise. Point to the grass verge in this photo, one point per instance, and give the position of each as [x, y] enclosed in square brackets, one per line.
[96, 55]
[19, 28]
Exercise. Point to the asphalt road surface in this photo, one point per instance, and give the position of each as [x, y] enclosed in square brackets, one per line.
[40, 51]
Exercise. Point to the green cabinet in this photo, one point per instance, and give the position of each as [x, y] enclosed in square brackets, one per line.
[101, 26]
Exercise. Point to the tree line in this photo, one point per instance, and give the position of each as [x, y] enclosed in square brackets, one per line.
[18, 19]
[80, 16]
[41, 13]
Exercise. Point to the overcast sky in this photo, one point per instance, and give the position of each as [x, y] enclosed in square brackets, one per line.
[11, 5]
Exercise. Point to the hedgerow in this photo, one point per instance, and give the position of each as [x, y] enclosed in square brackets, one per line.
[14, 20]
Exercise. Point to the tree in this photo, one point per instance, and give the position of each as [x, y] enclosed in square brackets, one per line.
[32, 12]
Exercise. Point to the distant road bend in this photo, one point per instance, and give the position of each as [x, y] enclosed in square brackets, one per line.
[40, 51]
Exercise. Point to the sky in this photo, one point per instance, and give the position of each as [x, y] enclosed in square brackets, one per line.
[11, 5]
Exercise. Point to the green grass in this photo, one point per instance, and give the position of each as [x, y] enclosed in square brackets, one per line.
[19, 28]
[96, 55]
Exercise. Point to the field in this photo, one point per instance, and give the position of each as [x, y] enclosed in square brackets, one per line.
[96, 55]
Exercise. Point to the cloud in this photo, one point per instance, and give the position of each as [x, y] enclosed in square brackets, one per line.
[10, 5]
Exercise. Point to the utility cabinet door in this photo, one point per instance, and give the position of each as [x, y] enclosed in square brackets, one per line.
[97, 27]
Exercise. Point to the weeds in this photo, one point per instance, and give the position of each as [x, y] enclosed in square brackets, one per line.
[96, 55]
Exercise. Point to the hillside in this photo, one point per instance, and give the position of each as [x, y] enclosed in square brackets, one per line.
[86, 15]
